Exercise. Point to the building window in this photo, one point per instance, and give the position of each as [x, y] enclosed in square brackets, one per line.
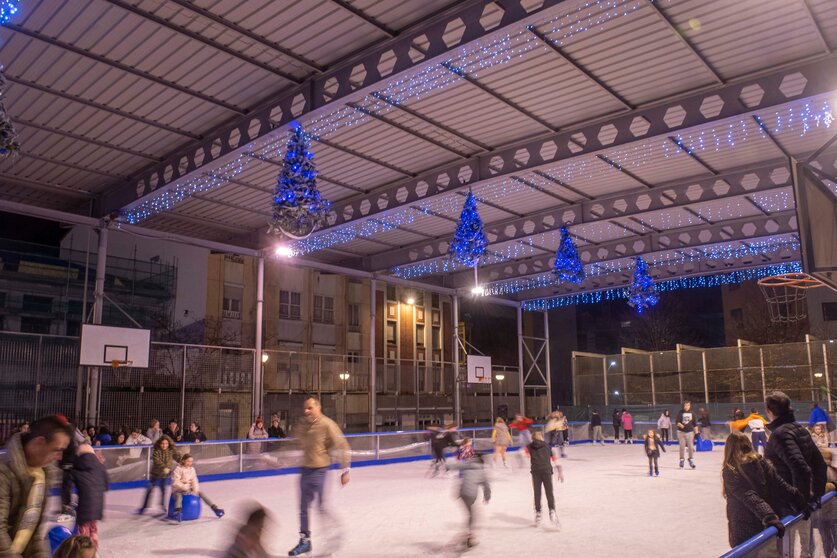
[419, 298]
[232, 301]
[829, 311]
[737, 315]
[436, 338]
[434, 300]
[29, 324]
[391, 332]
[391, 292]
[324, 309]
[32, 303]
[290, 306]
[352, 357]
[420, 335]
[353, 317]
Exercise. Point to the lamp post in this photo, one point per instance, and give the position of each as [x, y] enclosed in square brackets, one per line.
[265, 358]
[344, 377]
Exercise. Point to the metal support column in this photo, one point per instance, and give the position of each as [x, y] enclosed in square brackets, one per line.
[373, 372]
[825, 372]
[624, 382]
[680, 372]
[763, 383]
[548, 370]
[741, 372]
[705, 378]
[258, 365]
[183, 385]
[808, 339]
[94, 383]
[653, 384]
[605, 367]
[457, 401]
[522, 395]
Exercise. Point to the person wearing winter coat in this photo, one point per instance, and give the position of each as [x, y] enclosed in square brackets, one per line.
[137, 439]
[818, 416]
[472, 477]
[257, 430]
[686, 430]
[501, 437]
[664, 424]
[275, 429]
[756, 424]
[25, 476]
[755, 493]
[440, 440]
[704, 424]
[627, 425]
[248, 540]
[541, 469]
[154, 433]
[184, 480]
[617, 424]
[173, 431]
[162, 461]
[596, 425]
[194, 435]
[556, 429]
[522, 424]
[793, 454]
[819, 436]
[91, 477]
[68, 458]
[653, 445]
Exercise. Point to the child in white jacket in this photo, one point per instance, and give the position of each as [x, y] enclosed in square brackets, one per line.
[184, 480]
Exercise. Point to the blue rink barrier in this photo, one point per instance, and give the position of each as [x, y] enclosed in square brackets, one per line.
[821, 529]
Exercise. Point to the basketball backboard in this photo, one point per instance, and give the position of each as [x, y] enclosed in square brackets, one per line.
[816, 215]
[102, 345]
[479, 369]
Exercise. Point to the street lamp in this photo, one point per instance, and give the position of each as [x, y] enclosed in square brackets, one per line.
[344, 377]
[500, 378]
[411, 301]
[265, 358]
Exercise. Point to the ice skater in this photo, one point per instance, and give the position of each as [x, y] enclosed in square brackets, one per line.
[163, 458]
[686, 429]
[440, 440]
[653, 445]
[91, 479]
[628, 426]
[541, 469]
[596, 425]
[317, 434]
[664, 424]
[617, 424]
[472, 477]
[248, 540]
[556, 430]
[184, 480]
[501, 436]
[522, 424]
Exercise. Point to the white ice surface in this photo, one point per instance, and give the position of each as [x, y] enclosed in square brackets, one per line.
[608, 506]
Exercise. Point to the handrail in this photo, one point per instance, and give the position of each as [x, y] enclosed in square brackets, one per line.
[753, 543]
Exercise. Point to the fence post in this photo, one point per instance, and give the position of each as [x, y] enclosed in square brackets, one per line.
[183, 388]
[810, 366]
[240, 457]
[377, 446]
[605, 366]
[653, 384]
[763, 383]
[38, 366]
[741, 372]
[705, 379]
[373, 372]
[148, 462]
[679, 372]
[520, 373]
[624, 381]
[825, 372]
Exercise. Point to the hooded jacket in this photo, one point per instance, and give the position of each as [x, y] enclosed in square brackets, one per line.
[664, 421]
[627, 421]
[257, 432]
[472, 477]
[15, 483]
[541, 457]
[796, 458]
[185, 479]
[755, 498]
[162, 460]
[743, 423]
[91, 478]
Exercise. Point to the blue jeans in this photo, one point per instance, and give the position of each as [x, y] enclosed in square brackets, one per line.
[152, 482]
[759, 437]
[311, 483]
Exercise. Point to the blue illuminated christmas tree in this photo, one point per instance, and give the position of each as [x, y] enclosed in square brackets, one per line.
[469, 240]
[641, 294]
[568, 266]
[298, 207]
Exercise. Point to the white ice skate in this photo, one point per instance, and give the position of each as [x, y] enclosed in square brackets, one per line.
[553, 517]
[537, 518]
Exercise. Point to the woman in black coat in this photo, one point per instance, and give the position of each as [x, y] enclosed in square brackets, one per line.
[91, 478]
[754, 491]
[617, 423]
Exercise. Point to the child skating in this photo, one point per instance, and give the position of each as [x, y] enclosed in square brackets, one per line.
[541, 470]
[440, 440]
[184, 480]
[472, 477]
[163, 458]
[653, 445]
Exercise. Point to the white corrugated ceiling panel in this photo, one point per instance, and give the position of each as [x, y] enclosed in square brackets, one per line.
[747, 35]
[357, 172]
[825, 11]
[725, 209]
[397, 14]
[656, 161]
[638, 55]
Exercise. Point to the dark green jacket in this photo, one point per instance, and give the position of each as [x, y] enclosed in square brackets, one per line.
[15, 484]
[162, 460]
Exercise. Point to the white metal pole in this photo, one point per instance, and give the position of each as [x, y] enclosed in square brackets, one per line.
[457, 401]
[763, 382]
[825, 372]
[373, 373]
[258, 365]
[705, 378]
[653, 384]
[605, 367]
[93, 386]
[520, 372]
[548, 362]
[808, 339]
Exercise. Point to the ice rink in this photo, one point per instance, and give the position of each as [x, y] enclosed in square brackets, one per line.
[608, 506]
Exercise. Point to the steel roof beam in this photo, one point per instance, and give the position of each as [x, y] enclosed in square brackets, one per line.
[54, 188]
[820, 34]
[678, 271]
[365, 17]
[770, 136]
[821, 76]
[201, 39]
[258, 124]
[66, 164]
[622, 204]
[125, 68]
[693, 236]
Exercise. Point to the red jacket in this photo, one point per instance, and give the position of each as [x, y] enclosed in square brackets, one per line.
[521, 425]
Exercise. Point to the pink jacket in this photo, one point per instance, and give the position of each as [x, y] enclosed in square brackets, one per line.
[184, 479]
[627, 421]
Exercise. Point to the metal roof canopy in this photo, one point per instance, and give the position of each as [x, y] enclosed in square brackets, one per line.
[547, 137]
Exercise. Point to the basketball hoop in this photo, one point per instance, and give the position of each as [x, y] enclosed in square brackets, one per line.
[787, 295]
[120, 363]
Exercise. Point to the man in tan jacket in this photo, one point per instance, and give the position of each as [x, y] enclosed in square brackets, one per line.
[318, 435]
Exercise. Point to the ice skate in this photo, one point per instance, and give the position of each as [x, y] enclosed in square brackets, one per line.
[178, 515]
[470, 541]
[681, 463]
[691, 463]
[650, 473]
[218, 511]
[657, 472]
[303, 548]
[553, 518]
[537, 518]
